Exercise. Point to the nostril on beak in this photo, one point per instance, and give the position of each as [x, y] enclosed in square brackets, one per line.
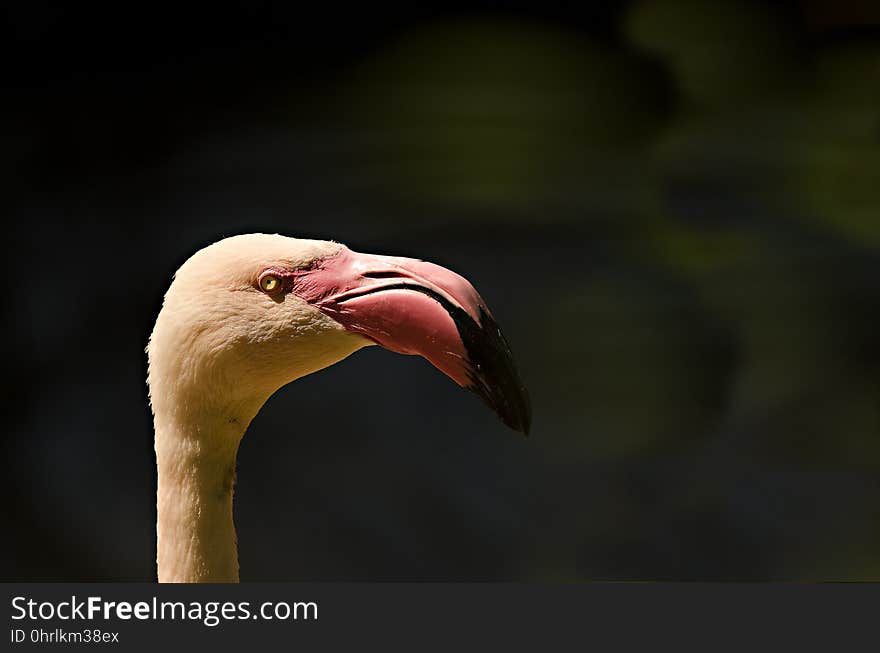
[388, 274]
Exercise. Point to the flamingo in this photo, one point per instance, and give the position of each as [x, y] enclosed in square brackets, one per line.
[251, 313]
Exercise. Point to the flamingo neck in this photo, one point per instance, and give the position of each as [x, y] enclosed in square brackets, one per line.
[196, 539]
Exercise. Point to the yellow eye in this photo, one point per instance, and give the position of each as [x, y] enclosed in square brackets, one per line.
[269, 283]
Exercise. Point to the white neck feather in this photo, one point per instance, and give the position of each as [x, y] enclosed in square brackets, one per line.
[196, 474]
[199, 421]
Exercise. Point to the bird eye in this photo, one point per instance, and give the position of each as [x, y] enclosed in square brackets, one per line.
[269, 283]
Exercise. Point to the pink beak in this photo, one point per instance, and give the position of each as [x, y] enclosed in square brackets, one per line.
[413, 307]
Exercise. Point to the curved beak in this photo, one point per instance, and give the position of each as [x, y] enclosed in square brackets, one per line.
[414, 307]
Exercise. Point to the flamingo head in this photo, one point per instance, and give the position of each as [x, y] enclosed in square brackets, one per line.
[250, 313]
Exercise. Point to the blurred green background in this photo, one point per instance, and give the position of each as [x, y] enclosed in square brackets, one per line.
[672, 206]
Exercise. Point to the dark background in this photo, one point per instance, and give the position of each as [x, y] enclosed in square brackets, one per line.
[672, 207]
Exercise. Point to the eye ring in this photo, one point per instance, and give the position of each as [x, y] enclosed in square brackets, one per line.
[270, 283]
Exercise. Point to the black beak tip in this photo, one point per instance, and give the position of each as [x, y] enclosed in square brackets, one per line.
[511, 404]
[526, 425]
[495, 378]
[516, 411]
